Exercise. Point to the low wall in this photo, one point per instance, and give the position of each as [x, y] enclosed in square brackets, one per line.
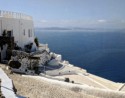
[6, 85]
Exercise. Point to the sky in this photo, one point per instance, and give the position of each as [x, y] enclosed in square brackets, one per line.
[71, 13]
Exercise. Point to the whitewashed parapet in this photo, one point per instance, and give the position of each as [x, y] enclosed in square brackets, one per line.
[8, 14]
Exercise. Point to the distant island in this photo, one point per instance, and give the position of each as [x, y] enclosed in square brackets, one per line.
[80, 29]
[64, 28]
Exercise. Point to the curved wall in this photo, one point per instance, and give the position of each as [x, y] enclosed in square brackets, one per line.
[21, 27]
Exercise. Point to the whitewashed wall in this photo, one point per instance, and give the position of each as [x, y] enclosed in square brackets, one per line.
[18, 26]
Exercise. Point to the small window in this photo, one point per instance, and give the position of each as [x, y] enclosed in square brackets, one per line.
[29, 33]
[24, 32]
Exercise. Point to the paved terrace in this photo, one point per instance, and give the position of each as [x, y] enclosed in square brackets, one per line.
[80, 76]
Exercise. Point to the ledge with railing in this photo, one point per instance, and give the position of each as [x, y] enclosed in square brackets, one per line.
[43, 47]
[8, 14]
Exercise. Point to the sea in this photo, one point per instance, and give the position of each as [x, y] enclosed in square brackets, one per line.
[100, 53]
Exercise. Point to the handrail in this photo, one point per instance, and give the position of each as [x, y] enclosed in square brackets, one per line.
[8, 14]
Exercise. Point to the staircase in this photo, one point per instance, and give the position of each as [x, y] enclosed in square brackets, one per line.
[44, 56]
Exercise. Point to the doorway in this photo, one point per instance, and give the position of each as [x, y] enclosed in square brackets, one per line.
[9, 33]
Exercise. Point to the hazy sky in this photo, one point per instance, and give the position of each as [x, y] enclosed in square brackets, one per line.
[71, 13]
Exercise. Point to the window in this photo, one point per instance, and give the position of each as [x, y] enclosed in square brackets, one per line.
[24, 32]
[29, 33]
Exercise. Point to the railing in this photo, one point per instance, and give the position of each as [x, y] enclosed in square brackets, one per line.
[8, 14]
[43, 47]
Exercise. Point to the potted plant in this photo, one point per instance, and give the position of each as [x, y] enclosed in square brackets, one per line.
[4, 33]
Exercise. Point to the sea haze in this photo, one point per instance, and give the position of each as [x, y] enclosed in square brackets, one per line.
[100, 53]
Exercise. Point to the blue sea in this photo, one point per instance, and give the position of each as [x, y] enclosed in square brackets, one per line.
[100, 53]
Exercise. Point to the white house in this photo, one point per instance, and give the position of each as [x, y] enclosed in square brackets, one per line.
[17, 26]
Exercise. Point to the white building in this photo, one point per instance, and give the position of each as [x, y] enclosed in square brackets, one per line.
[19, 26]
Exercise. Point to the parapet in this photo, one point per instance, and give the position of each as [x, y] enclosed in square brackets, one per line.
[8, 14]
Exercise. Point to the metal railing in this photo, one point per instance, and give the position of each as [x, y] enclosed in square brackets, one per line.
[8, 14]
